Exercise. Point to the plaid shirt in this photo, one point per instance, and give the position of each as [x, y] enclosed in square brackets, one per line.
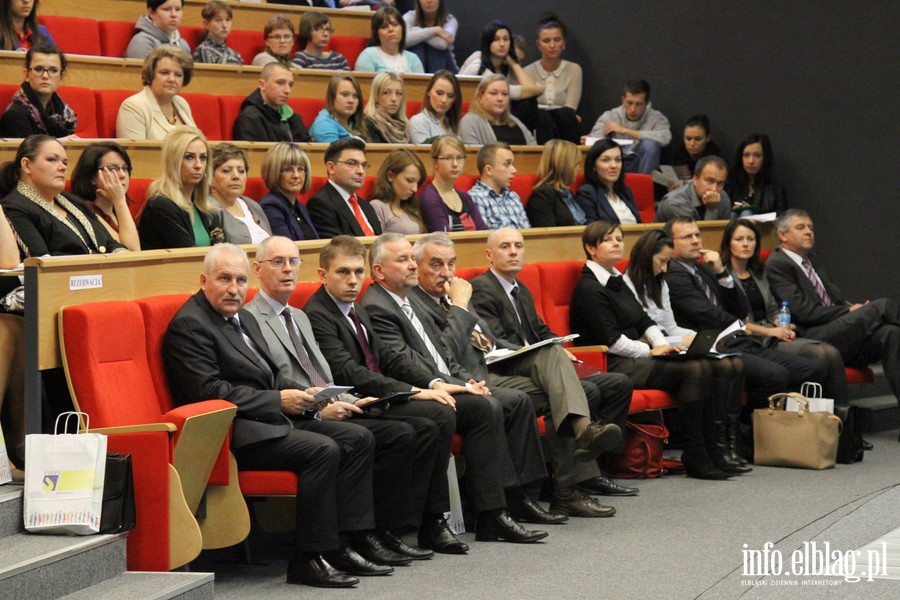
[209, 51]
[499, 210]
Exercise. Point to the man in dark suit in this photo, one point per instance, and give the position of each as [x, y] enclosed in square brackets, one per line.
[704, 296]
[214, 349]
[405, 328]
[336, 209]
[569, 401]
[863, 333]
[405, 447]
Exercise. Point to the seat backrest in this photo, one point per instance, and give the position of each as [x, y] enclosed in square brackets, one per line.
[530, 276]
[114, 37]
[303, 292]
[108, 103]
[137, 191]
[317, 183]
[84, 102]
[307, 108]
[229, 109]
[205, 109]
[470, 273]
[157, 312]
[558, 281]
[523, 185]
[106, 364]
[6, 93]
[413, 107]
[350, 46]
[191, 35]
[256, 188]
[73, 35]
[247, 43]
[642, 187]
[465, 182]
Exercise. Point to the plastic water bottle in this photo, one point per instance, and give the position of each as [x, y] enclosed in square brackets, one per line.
[784, 316]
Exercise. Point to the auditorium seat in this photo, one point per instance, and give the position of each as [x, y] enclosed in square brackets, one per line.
[465, 182]
[307, 108]
[114, 37]
[229, 109]
[205, 109]
[6, 93]
[523, 185]
[413, 107]
[73, 35]
[256, 188]
[642, 188]
[84, 102]
[349, 45]
[108, 103]
[137, 191]
[246, 43]
[191, 35]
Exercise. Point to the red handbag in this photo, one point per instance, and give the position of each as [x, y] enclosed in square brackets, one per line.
[641, 456]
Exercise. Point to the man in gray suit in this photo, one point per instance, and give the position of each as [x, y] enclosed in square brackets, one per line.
[703, 198]
[405, 447]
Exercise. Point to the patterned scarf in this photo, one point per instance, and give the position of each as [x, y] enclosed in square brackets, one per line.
[57, 119]
[393, 129]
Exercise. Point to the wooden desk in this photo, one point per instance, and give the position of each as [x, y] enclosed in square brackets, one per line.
[246, 15]
[103, 73]
[145, 157]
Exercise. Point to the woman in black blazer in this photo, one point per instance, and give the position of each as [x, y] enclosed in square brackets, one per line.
[552, 203]
[604, 194]
[604, 311]
[178, 213]
[286, 172]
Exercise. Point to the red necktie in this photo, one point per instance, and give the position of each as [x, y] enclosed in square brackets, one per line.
[357, 212]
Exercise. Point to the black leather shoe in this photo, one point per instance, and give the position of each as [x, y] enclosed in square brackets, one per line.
[349, 561]
[575, 503]
[529, 511]
[698, 465]
[318, 573]
[504, 528]
[396, 544]
[721, 462]
[597, 438]
[604, 486]
[371, 548]
[867, 445]
[435, 535]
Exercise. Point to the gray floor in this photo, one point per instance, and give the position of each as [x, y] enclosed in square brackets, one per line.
[681, 538]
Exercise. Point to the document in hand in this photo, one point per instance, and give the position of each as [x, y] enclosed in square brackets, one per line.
[499, 354]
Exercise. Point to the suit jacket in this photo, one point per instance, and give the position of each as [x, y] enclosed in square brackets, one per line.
[331, 215]
[545, 208]
[397, 333]
[596, 206]
[279, 343]
[206, 359]
[284, 221]
[765, 291]
[236, 232]
[693, 309]
[339, 345]
[496, 308]
[789, 282]
[684, 202]
[141, 118]
[163, 224]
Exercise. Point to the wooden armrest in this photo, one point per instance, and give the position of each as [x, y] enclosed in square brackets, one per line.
[169, 427]
[598, 348]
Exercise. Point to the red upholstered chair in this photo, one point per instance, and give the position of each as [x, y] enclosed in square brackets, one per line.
[349, 45]
[315, 185]
[413, 107]
[6, 93]
[307, 108]
[137, 191]
[205, 109]
[191, 35]
[642, 188]
[229, 109]
[470, 273]
[73, 35]
[114, 37]
[302, 294]
[84, 103]
[107, 368]
[256, 188]
[465, 182]
[246, 43]
[108, 103]
[523, 185]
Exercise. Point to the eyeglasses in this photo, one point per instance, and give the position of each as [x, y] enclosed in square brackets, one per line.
[283, 37]
[279, 261]
[293, 169]
[41, 71]
[690, 236]
[355, 164]
[325, 29]
[452, 159]
[114, 169]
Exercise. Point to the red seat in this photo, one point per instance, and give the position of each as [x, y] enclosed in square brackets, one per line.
[317, 183]
[191, 35]
[108, 103]
[6, 93]
[860, 375]
[137, 191]
[465, 182]
[523, 185]
[114, 37]
[229, 109]
[256, 188]
[642, 187]
[307, 108]
[302, 294]
[84, 103]
[349, 45]
[73, 35]
[246, 43]
[205, 109]
[413, 107]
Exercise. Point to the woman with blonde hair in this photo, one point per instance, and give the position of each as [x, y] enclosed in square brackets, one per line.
[552, 203]
[443, 207]
[385, 113]
[489, 119]
[343, 113]
[441, 110]
[179, 213]
[287, 174]
[397, 206]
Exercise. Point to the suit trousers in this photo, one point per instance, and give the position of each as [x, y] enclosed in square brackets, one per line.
[520, 456]
[768, 372]
[476, 423]
[333, 463]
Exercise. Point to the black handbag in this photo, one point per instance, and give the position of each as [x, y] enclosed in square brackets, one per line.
[850, 444]
[118, 513]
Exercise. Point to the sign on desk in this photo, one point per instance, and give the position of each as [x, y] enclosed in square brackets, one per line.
[85, 282]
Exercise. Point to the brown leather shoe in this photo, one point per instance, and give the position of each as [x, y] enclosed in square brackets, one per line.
[575, 503]
[597, 438]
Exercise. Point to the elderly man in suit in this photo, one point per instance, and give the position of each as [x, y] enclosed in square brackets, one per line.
[508, 309]
[336, 209]
[405, 447]
[215, 349]
[863, 333]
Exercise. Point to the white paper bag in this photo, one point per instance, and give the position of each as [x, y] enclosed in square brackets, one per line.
[64, 480]
[5, 474]
[455, 519]
[813, 393]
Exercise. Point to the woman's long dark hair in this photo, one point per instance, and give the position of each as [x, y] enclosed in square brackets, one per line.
[88, 165]
[640, 265]
[8, 31]
[590, 172]
[740, 180]
[487, 38]
[754, 264]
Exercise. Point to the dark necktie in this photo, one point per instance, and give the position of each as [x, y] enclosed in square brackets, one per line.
[236, 325]
[816, 282]
[614, 283]
[315, 377]
[371, 362]
[357, 212]
[528, 331]
[706, 290]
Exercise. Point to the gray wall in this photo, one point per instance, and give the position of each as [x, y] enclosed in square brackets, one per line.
[820, 77]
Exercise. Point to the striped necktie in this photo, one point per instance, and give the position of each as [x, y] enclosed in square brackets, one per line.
[816, 282]
[420, 329]
[315, 377]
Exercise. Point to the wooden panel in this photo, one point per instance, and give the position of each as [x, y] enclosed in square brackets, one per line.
[246, 15]
[102, 73]
[146, 161]
[150, 273]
